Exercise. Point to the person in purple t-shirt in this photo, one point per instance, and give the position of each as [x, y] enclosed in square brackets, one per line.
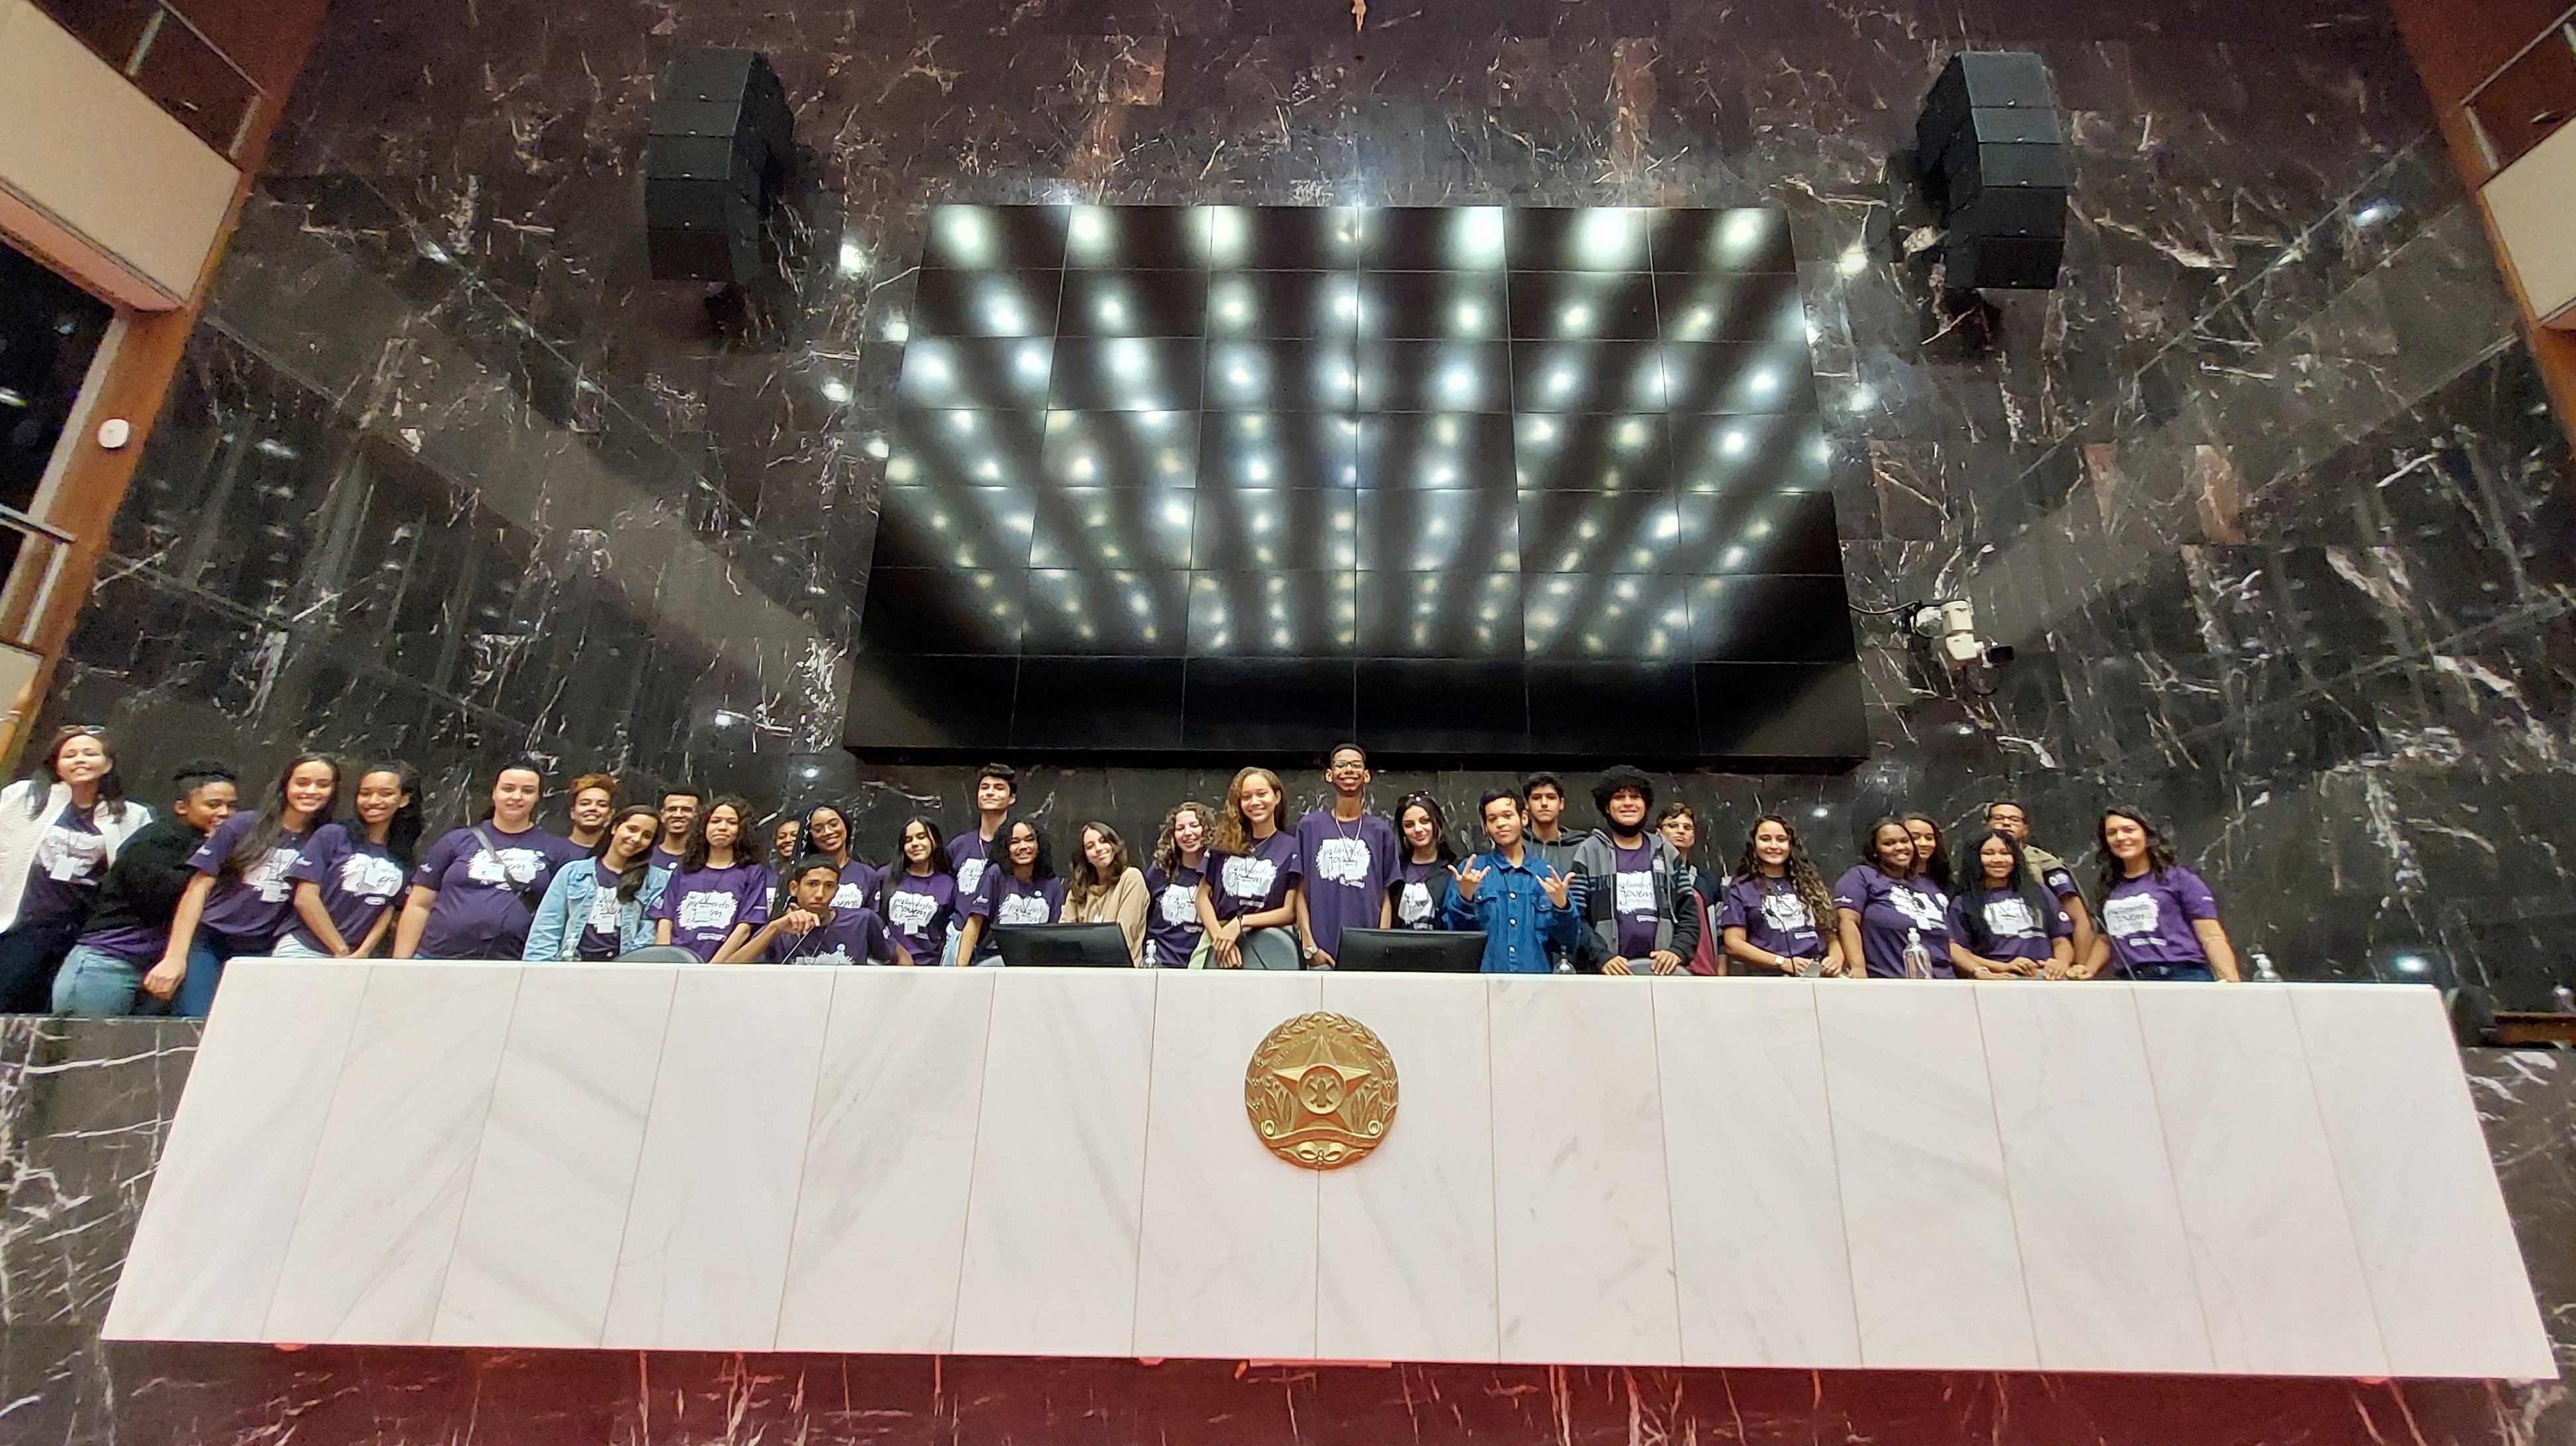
[1245, 902]
[679, 815]
[970, 853]
[1425, 878]
[1173, 934]
[2003, 922]
[1020, 888]
[814, 929]
[1892, 918]
[918, 896]
[720, 892]
[476, 892]
[827, 835]
[351, 874]
[242, 898]
[1350, 856]
[2159, 919]
[1777, 917]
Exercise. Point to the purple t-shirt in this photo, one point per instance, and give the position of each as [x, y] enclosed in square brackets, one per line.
[1348, 868]
[1418, 889]
[1772, 916]
[1258, 881]
[2148, 918]
[663, 859]
[1172, 929]
[2012, 932]
[919, 910]
[859, 880]
[970, 854]
[252, 910]
[1888, 912]
[356, 876]
[1007, 899]
[600, 936]
[705, 904]
[850, 936]
[478, 912]
[63, 877]
[1632, 900]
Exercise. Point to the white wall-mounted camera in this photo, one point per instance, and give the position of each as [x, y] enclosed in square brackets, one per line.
[1952, 629]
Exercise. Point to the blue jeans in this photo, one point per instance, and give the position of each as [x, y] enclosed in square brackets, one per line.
[207, 955]
[99, 985]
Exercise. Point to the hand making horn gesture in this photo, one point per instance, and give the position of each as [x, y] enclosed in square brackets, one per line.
[1555, 884]
[1467, 876]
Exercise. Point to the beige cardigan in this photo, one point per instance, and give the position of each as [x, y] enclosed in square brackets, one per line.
[1123, 905]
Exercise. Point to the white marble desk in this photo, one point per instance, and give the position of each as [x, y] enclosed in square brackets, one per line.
[2094, 1177]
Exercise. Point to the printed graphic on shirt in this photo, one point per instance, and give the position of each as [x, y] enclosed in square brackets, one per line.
[269, 875]
[850, 895]
[913, 912]
[1249, 879]
[837, 954]
[514, 867]
[370, 878]
[1023, 909]
[2130, 915]
[1922, 908]
[1341, 861]
[2060, 882]
[2010, 919]
[1786, 913]
[67, 854]
[970, 872]
[1180, 904]
[707, 909]
[1636, 893]
[603, 911]
[1413, 906]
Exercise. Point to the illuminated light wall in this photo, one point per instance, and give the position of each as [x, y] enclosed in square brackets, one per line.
[1464, 483]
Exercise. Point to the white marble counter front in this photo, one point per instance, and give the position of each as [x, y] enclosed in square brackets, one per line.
[2283, 1180]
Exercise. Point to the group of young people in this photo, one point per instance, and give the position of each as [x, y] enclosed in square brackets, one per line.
[107, 909]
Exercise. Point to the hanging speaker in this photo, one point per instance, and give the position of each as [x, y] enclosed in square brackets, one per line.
[1992, 153]
[716, 155]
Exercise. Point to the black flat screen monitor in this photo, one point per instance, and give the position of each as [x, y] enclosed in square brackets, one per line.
[1101, 946]
[1415, 951]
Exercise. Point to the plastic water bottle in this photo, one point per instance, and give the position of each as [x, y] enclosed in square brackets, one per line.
[1918, 960]
[1564, 965]
[2264, 973]
[2566, 998]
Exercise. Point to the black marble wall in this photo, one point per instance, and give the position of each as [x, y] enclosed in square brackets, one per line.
[83, 1107]
[2266, 492]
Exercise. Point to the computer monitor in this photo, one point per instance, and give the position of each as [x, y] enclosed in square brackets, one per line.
[1428, 951]
[1101, 946]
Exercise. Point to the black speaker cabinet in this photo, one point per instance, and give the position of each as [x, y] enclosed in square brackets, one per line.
[717, 152]
[1994, 160]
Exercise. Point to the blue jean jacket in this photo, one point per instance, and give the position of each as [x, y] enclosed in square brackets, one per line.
[1517, 917]
[556, 932]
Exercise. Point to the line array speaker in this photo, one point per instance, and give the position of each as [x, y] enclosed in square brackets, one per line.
[716, 155]
[1993, 155]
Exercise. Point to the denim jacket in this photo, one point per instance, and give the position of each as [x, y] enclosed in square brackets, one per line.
[1519, 921]
[556, 933]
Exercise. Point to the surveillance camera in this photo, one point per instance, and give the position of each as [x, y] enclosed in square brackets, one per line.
[1952, 628]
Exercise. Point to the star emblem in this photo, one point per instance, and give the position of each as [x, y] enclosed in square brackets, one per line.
[1321, 1090]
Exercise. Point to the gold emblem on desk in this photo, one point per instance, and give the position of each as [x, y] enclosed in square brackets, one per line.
[1320, 1091]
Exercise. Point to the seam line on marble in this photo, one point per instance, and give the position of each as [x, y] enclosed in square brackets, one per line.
[974, 1153]
[643, 1137]
[321, 1129]
[1144, 1167]
[1834, 1152]
[805, 1156]
[2343, 1197]
[2173, 1177]
[1493, 1154]
[1656, 989]
[1978, 993]
[482, 1133]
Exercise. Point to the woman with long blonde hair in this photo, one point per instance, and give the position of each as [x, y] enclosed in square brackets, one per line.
[1248, 901]
[1174, 937]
